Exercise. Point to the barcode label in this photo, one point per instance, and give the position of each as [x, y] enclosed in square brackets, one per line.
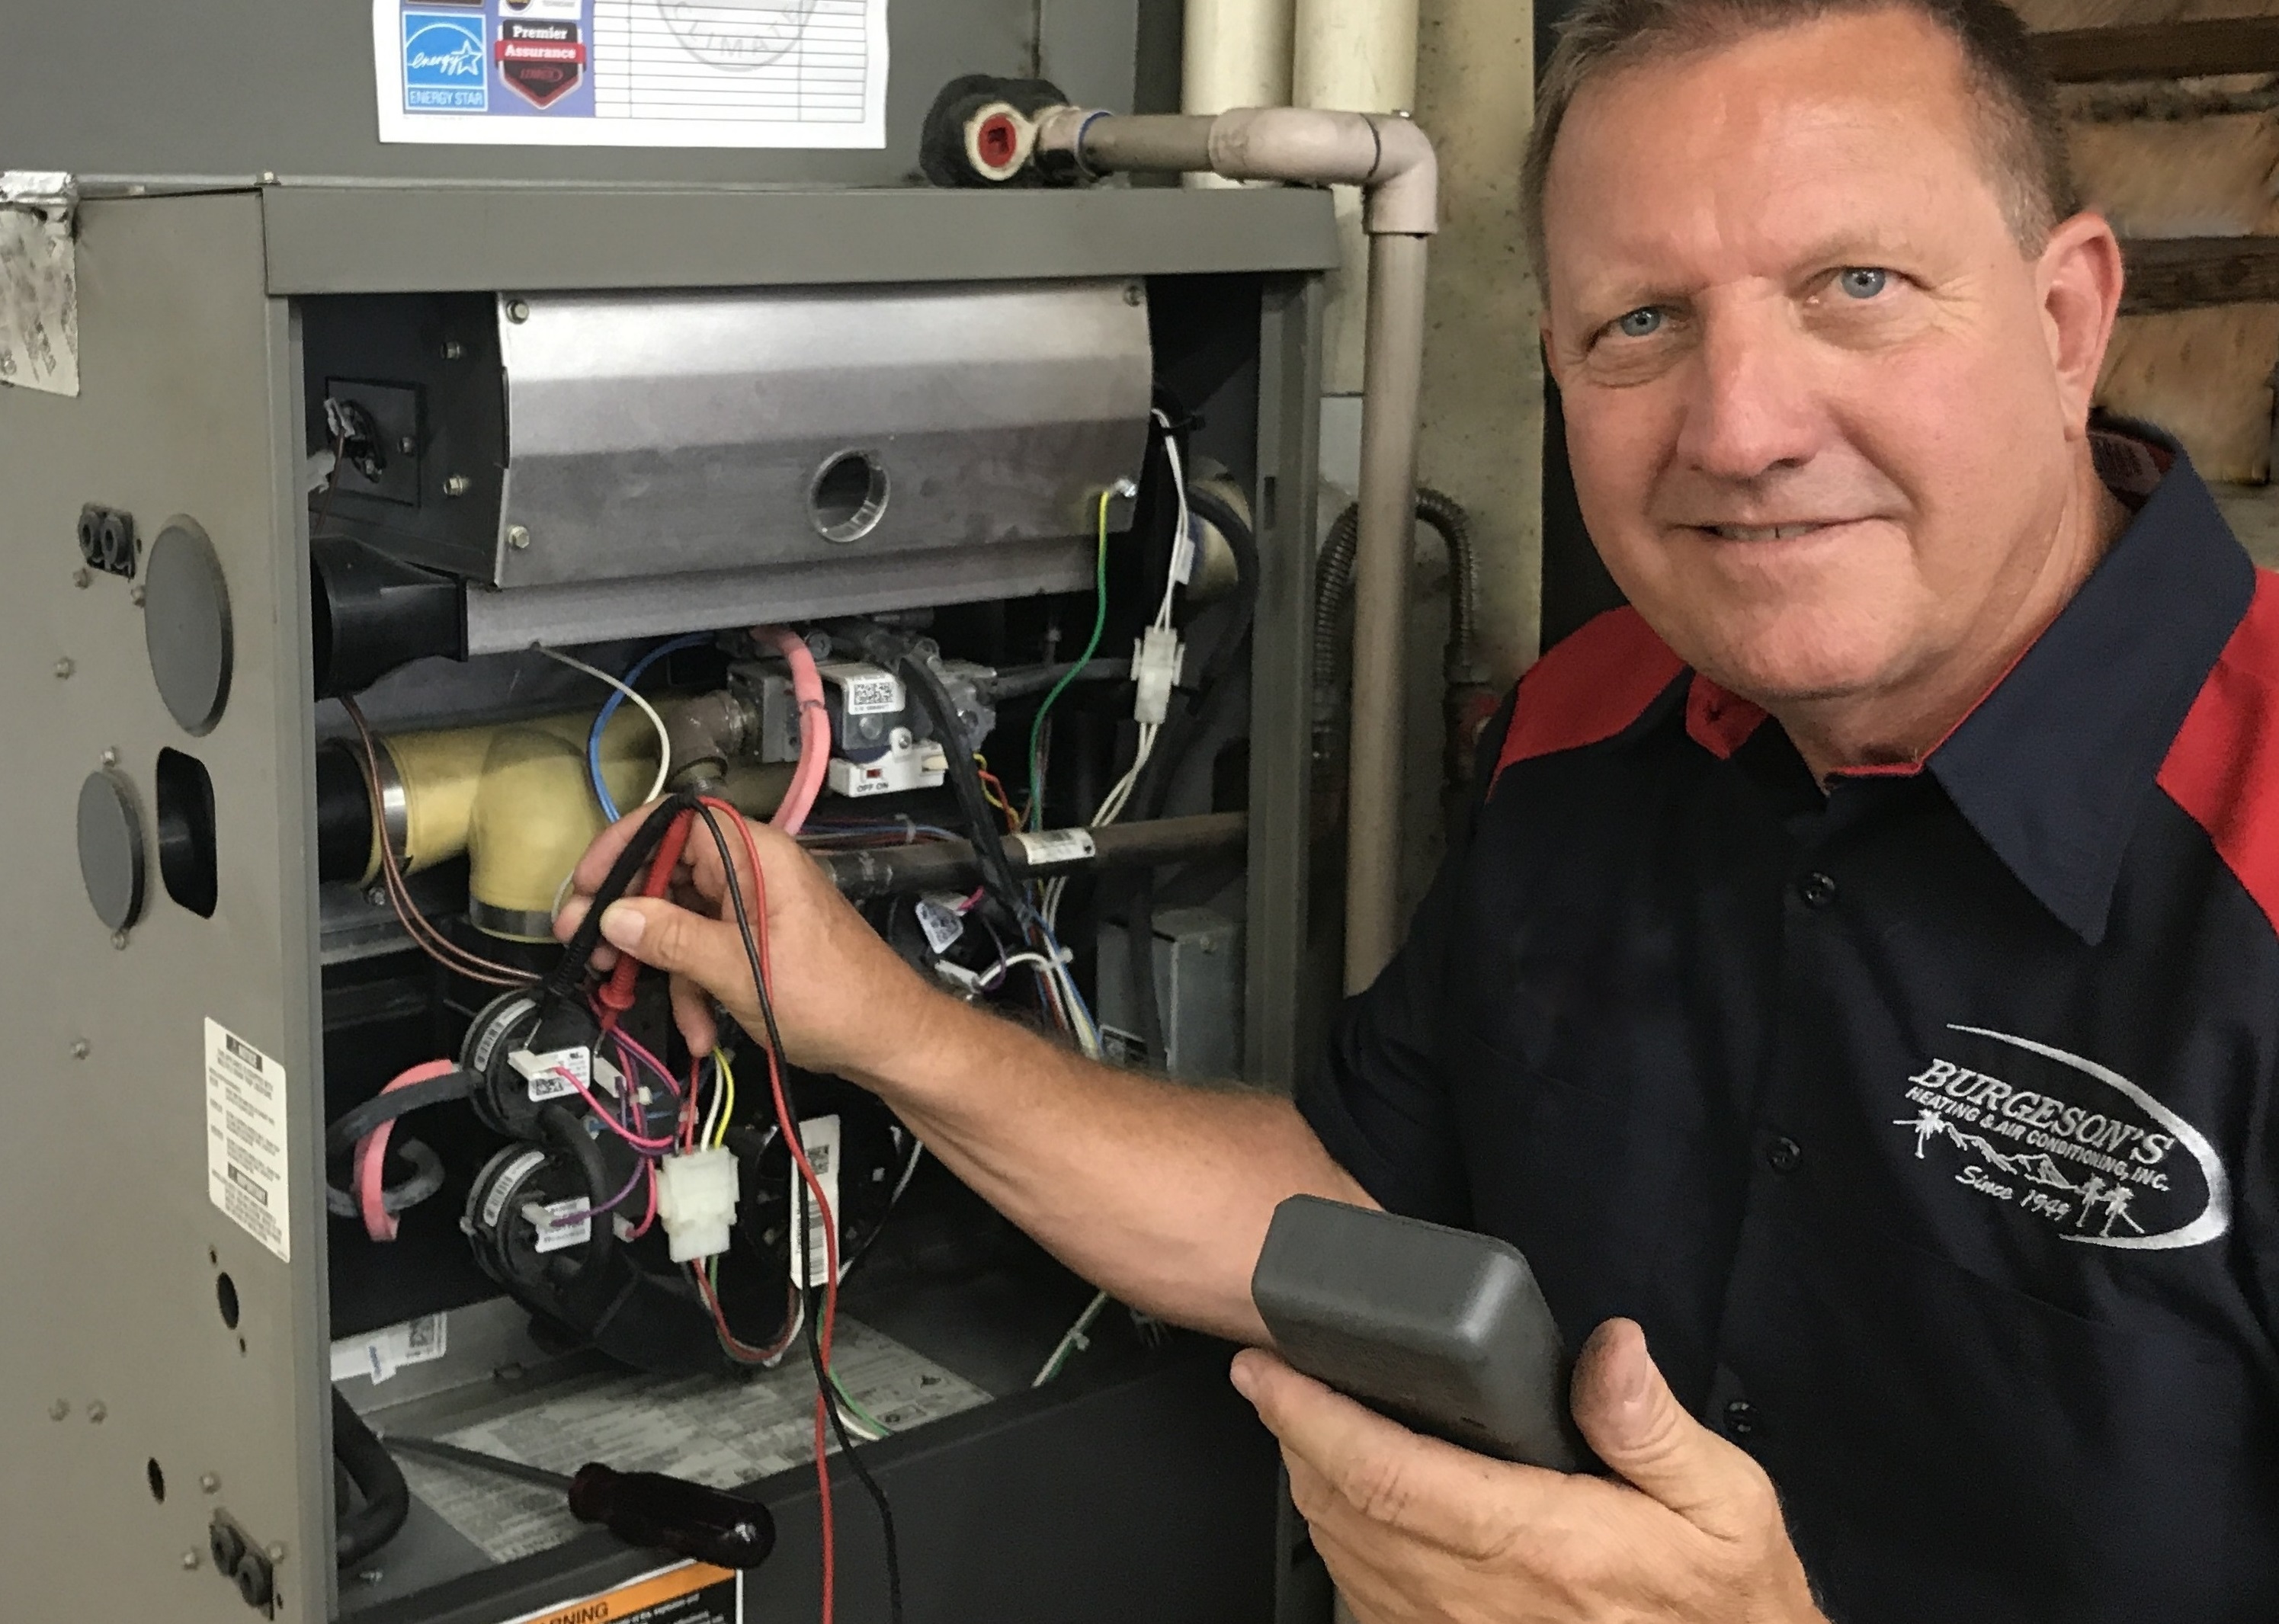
[939, 918]
[866, 690]
[543, 1072]
[811, 1263]
[1052, 847]
[561, 1224]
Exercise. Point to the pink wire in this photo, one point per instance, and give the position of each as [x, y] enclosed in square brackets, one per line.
[814, 727]
[372, 1155]
[608, 1120]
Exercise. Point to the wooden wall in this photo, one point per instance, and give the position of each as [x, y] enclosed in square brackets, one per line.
[2184, 160]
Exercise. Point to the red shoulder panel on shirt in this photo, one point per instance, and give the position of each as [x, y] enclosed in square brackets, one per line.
[2223, 769]
[1590, 687]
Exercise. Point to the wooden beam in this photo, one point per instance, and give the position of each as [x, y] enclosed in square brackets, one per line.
[2162, 51]
[2190, 273]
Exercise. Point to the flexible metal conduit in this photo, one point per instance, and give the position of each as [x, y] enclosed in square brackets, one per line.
[1392, 160]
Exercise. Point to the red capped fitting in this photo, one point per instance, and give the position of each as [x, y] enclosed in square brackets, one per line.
[998, 140]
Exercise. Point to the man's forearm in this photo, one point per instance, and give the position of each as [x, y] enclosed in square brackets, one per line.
[1156, 1192]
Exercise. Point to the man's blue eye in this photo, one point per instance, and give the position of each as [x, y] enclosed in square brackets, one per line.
[1641, 323]
[1862, 281]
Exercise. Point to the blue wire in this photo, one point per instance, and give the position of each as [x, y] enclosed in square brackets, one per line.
[609, 708]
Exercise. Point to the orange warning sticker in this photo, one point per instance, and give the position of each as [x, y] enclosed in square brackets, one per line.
[691, 1593]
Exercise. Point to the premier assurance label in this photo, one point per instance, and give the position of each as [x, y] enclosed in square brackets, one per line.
[692, 1593]
[246, 1138]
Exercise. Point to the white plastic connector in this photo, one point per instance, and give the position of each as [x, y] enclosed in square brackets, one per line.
[1156, 659]
[696, 1198]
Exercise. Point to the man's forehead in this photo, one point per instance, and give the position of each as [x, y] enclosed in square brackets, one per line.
[1742, 158]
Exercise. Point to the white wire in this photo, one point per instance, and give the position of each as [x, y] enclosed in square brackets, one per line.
[663, 739]
[1052, 1366]
[712, 1111]
[1186, 521]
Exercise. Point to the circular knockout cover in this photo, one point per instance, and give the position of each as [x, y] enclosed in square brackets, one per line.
[186, 624]
[110, 849]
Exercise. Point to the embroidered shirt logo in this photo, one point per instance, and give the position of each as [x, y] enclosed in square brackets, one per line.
[2102, 1160]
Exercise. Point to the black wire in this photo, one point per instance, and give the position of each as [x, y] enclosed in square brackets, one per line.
[386, 1497]
[743, 912]
[359, 1122]
[561, 984]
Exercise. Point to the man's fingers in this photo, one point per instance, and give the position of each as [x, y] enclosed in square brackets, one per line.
[692, 1013]
[1634, 1422]
[573, 915]
[1428, 1490]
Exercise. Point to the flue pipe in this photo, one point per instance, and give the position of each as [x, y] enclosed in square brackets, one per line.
[1235, 54]
[1392, 160]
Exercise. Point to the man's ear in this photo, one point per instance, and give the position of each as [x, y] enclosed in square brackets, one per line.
[2080, 276]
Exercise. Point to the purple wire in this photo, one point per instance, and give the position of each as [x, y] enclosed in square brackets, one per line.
[613, 1203]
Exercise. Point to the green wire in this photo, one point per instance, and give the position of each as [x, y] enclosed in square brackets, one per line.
[856, 1410]
[1036, 813]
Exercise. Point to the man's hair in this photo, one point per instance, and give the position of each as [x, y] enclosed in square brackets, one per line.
[2022, 138]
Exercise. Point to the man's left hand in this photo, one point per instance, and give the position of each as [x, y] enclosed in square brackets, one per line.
[1413, 1528]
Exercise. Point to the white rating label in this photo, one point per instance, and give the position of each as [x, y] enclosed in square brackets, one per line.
[246, 1138]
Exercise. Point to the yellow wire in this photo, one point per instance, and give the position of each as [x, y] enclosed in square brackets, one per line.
[728, 1081]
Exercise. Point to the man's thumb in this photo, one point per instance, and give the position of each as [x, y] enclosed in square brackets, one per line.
[669, 937]
[1631, 1417]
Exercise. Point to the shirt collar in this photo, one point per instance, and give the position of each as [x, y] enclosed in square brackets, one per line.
[2053, 767]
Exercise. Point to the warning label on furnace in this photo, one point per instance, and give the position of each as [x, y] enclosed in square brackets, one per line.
[690, 1594]
[246, 1141]
[720, 1431]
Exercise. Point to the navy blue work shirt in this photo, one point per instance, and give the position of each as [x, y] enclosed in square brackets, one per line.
[1926, 1124]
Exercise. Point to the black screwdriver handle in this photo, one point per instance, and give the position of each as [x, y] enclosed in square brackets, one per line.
[657, 1513]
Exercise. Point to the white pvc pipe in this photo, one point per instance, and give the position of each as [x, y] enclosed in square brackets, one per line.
[1359, 54]
[1237, 54]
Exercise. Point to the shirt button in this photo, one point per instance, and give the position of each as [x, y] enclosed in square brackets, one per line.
[1817, 890]
[1784, 1155]
[1740, 1418]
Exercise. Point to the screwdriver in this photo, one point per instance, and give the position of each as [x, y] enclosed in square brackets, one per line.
[647, 1509]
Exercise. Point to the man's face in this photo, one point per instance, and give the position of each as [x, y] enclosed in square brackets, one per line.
[1817, 408]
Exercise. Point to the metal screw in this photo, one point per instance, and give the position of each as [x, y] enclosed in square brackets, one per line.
[81, 579]
[454, 351]
[59, 1409]
[95, 1413]
[64, 667]
[407, 445]
[1133, 294]
[377, 896]
[210, 1483]
[1125, 489]
[109, 758]
[277, 1551]
[269, 177]
[80, 1048]
[517, 537]
[457, 484]
[118, 940]
[190, 1560]
[518, 310]
[135, 594]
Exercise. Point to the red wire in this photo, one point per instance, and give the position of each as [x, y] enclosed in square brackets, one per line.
[790, 1131]
[616, 995]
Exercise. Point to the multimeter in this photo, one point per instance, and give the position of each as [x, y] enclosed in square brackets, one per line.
[1443, 1330]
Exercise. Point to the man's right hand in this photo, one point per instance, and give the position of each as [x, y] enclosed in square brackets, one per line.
[844, 1001]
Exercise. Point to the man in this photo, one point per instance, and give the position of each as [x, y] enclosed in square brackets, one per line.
[1861, 976]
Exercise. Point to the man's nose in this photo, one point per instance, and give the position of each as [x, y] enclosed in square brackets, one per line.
[1752, 409]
